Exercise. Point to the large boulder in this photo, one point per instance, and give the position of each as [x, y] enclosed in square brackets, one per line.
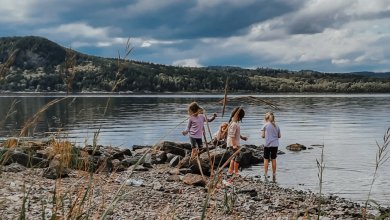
[218, 155]
[181, 149]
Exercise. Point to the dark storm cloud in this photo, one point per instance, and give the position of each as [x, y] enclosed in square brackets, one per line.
[186, 19]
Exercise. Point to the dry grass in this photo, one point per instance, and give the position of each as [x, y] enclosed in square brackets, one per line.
[382, 156]
[33, 120]
[4, 68]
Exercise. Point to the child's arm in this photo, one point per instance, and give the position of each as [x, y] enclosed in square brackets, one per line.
[185, 132]
[243, 138]
[212, 117]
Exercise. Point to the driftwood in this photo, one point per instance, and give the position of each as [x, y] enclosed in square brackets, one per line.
[249, 100]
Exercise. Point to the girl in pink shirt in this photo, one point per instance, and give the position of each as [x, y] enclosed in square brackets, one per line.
[195, 127]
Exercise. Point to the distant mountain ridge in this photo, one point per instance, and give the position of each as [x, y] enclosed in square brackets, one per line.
[34, 63]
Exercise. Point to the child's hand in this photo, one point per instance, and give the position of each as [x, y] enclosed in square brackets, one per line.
[215, 115]
[244, 138]
[184, 132]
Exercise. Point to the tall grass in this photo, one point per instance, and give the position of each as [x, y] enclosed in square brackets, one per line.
[382, 156]
[4, 69]
[321, 167]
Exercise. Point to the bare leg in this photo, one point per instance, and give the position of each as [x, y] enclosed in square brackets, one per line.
[231, 167]
[236, 165]
[266, 167]
[193, 153]
[274, 167]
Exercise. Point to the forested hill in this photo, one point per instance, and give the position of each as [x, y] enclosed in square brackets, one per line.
[36, 64]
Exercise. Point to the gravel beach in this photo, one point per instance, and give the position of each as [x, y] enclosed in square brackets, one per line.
[159, 192]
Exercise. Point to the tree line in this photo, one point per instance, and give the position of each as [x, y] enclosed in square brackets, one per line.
[43, 66]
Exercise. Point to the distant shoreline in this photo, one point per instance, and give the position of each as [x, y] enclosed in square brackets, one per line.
[182, 94]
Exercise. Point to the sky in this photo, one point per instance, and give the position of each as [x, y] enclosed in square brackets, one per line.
[320, 35]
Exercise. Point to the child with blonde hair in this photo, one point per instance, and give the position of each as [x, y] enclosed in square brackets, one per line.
[221, 135]
[195, 127]
[271, 132]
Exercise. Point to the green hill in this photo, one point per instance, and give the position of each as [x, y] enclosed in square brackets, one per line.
[38, 64]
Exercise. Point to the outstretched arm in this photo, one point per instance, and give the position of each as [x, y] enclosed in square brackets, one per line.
[212, 117]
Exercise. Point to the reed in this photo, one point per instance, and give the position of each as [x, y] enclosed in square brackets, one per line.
[4, 68]
[321, 167]
[33, 120]
[382, 156]
[11, 111]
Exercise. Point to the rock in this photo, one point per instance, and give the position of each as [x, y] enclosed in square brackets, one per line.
[93, 151]
[296, 147]
[161, 157]
[134, 182]
[170, 156]
[27, 160]
[129, 161]
[219, 154]
[157, 186]
[173, 178]
[194, 180]
[137, 147]
[120, 154]
[14, 167]
[140, 168]
[56, 169]
[175, 160]
[181, 149]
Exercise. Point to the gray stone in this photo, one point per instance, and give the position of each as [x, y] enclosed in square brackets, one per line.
[14, 167]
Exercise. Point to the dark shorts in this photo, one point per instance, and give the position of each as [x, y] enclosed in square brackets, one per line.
[238, 156]
[270, 153]
[196, 142]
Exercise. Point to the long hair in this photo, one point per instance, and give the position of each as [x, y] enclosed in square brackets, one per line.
[193, 108]
[269, 117]
[239, 112]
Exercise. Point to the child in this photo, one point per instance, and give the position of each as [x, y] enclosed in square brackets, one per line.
[234, 136]
[221, 135]
[271, 132]
[195, 127]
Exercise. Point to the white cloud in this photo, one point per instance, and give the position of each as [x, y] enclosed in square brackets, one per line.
[187, 63]
[340, 61]
[78, 30]
[15, 11]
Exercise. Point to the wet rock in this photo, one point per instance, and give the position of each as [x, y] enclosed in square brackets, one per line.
[296, 147]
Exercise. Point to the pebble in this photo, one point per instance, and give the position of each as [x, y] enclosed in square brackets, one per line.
[159, 198]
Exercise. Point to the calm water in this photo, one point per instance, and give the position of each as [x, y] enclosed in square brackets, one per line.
[348, 125]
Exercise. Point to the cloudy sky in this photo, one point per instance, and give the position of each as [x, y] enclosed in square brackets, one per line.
[322, 35]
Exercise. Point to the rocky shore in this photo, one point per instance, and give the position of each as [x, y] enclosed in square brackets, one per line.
[164, 186]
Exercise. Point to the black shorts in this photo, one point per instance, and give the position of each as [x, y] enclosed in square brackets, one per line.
[196, 142]
[270, 153]
[238, 156]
